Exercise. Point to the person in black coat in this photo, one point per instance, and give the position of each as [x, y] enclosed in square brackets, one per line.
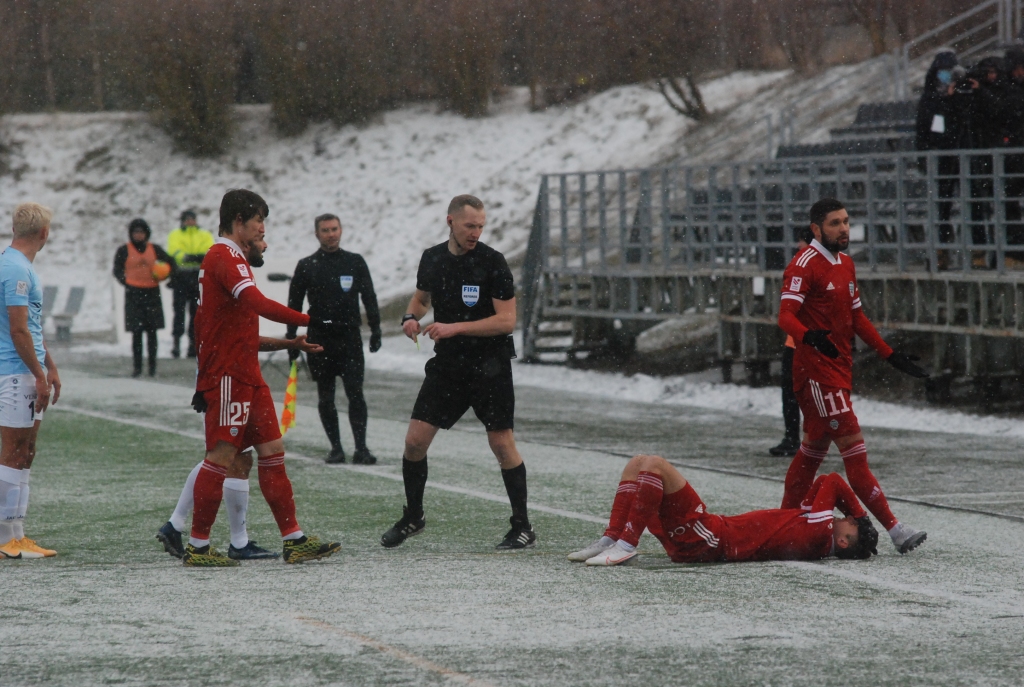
[137, 267]
[1013, 116]
[334, 281]
[940, 126]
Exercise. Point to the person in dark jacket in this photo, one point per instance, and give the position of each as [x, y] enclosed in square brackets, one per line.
[940, 127]
[140, 266]
[1013, 115]
[334, 280]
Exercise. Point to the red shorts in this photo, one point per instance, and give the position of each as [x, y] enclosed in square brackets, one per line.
[828, 411]
[240, 414]
[688, 532]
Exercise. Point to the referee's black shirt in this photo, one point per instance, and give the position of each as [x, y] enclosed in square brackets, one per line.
[461, 288]
[334, 282]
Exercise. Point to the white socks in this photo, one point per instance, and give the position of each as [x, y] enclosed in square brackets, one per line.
[19, 522]
[10, 502]
[185, 501]
[236, 500]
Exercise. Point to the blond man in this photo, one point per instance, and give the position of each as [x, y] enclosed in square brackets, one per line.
[28, 376]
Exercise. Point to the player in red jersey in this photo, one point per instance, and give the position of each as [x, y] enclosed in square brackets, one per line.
[230, 388]
[821, 310]
[654, 495]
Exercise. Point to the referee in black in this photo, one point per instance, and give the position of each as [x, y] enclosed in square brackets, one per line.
[334, 280]
[470, 287]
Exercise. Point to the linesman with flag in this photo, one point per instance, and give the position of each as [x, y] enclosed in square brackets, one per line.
[334, 280]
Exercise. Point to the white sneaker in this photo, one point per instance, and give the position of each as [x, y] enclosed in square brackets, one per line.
[602, 544]
[906, 538]
[616, 555]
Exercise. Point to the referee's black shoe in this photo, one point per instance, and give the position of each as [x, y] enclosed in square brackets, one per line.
[362, 456]
[518, 538]
[337, 455]
[408, 526]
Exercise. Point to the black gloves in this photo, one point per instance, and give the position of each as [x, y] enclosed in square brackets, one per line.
[905, 364]
[293, 354]
[375, 336]
[198, 402]
[818, 338]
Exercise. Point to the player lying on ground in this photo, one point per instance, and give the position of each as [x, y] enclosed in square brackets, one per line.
[654, 495]
[230, 388]
[821, 309]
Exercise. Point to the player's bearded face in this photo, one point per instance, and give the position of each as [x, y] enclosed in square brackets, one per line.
[835, 231]
[255, 253]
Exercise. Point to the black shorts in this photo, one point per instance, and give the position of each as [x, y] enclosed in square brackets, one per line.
[454, 385]
[340, 358]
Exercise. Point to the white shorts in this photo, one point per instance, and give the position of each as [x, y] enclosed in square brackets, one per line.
[18, 401]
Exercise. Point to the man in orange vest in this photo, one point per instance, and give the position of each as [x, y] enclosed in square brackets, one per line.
[140, 266]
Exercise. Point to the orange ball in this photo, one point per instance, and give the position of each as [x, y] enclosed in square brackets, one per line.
[161, 270]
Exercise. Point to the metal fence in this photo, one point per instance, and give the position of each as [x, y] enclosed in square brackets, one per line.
[935, 211]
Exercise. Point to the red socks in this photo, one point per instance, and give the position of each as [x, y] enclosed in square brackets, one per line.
[801, 474]
[277, 490]
[207, 493]
[864, 484]
[620, 508]
[649, 491]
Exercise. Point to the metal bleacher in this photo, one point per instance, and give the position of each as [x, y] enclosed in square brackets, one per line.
[886, 127]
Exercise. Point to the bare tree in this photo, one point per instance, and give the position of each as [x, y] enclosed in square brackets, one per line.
[683, 96]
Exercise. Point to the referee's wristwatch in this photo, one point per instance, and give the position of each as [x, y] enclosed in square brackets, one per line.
[406, 317]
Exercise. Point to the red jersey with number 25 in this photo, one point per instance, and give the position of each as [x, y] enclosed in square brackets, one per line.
[227, 332]
[821, 289]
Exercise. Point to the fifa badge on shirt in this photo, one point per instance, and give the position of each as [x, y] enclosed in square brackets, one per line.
[795, 282]
[851, 289]
[21, 288]
[470, 294]
[346, 282]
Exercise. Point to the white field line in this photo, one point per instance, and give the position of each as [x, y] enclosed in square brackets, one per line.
[800, 565]
[395, 652]
[376, 472]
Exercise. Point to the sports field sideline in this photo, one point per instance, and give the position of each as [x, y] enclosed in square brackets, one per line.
[445, 607]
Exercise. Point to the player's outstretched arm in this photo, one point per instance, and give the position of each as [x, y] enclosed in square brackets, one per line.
[903, 362]
[271, 310]
[503, 321]
[299, 343]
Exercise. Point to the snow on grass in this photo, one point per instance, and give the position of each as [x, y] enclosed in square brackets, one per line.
[390, 181]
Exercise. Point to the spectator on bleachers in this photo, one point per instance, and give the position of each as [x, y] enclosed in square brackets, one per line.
[1013, 114]
[940, 127]
[984, 103]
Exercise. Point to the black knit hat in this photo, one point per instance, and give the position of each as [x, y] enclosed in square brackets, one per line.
[187, 213]
[139, 223]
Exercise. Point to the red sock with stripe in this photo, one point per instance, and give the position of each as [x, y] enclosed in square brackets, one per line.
[649, 491]
[277, 490]
[620, 508]
[207, 494]
[865, 486]
[800, 475]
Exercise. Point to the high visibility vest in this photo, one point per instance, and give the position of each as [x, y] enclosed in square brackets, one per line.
[189, 241]
[138, 268]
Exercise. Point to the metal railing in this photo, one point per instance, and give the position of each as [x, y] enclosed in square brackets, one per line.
[934, 211]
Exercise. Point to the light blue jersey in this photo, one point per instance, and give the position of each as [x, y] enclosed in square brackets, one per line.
[19, 285]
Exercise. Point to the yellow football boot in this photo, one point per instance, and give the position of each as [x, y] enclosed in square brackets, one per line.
[206, 557]
[11, 549]
[28, 546]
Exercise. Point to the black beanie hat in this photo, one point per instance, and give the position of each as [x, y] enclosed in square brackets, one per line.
[139, 223]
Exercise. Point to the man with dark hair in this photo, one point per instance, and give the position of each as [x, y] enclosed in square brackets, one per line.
[821, 310]
[188, 245]
[334, 280]
[470, 288]
[138, 268]
[653, 495]
[230, 388]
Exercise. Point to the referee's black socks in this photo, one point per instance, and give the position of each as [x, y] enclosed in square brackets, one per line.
[414, 474]
[515, 485]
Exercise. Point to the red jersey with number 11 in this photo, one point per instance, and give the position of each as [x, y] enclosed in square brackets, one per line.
[821, 290]
[227, 331]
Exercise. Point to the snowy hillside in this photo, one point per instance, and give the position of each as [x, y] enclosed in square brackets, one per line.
[389, 181]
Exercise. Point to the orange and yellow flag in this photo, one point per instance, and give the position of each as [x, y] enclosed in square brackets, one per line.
[290, 392]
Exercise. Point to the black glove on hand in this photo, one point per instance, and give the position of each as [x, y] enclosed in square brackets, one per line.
[198, 402]
[818, 338]
[293, 354]
[905, 364]
[375, 337]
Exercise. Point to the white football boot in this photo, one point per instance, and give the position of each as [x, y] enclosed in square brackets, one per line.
[599, 546]
[906, 538]
[615, 555]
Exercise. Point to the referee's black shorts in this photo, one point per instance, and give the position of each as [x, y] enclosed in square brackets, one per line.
[342, 357]
[455, 384]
